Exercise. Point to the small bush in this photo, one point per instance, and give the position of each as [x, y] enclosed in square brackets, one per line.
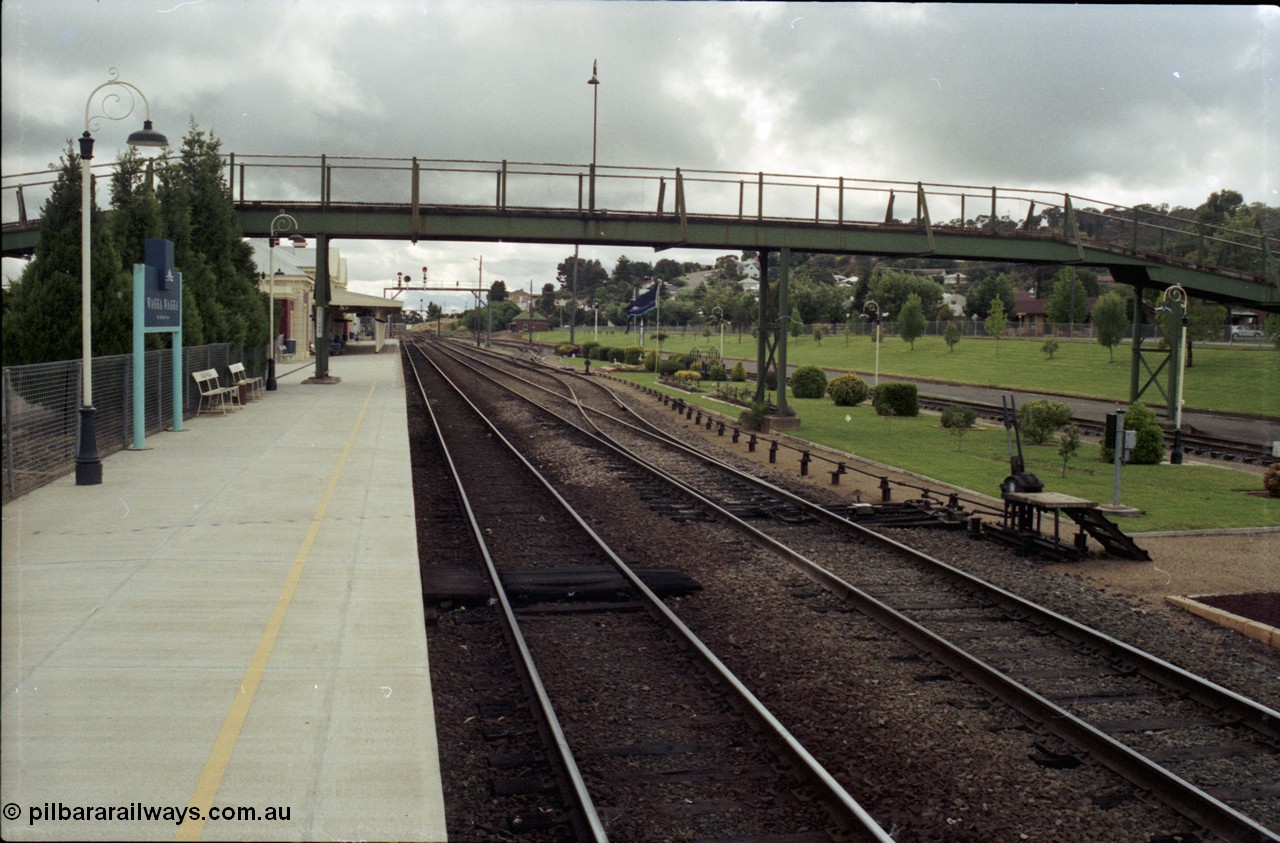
[753, 419]
[650, 360]
[1271, 480]
[588, 347]
[1040, 419]
[848, 390]
[896, 399]
[739, 373]
[617, 355]
[633, 354]
[600, 352]
[566, 349]
[687, 378]
[669, 366]
[809, 382]
[715, 372]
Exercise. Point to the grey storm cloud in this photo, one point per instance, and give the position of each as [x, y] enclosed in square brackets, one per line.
[1125, 104]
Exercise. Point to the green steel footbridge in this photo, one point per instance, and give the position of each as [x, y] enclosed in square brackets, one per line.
[344, 198]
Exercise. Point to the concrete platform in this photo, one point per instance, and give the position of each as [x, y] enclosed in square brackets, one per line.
[232, 619]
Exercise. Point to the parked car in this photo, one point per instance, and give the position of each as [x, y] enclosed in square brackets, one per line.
[1245, 332]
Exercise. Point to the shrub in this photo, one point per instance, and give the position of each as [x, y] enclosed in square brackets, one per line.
[669, 366]
[1271, 480]
[1149, 447]
[687, 378]
[632, 354]
[896, 399]
[617, 355]
[1042, 418]
[588, 347]
[739, 373]
[809, 382]
[566, 349]
[715, 372]
[847, 390]
[600, 352]
[753, 419]
[650, 360]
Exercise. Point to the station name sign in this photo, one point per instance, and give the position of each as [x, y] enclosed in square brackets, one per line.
[162, 296]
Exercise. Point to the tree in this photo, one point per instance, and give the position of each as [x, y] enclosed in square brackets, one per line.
[1068, 303]
[498, 291]
[958, 420]
[992, 287]
[547, 301]
[890, 289]
[996, 322]
[208, 244]
[43, 319]
[1068, 445]
[911, 320]
[1050, 347]
[951, 336]
[1109, 322]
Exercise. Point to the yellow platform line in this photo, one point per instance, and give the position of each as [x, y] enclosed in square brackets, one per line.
[216, 766]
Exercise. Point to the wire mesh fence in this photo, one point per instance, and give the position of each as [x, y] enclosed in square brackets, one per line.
[42, 403]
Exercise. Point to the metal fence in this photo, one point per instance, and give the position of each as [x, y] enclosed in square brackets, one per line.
[42, 402]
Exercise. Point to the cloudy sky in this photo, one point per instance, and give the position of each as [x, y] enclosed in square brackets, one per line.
[1124, 104]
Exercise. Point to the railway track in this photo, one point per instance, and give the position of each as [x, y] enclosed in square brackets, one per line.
[644, 734]
[1194, 442]
[1170, 733]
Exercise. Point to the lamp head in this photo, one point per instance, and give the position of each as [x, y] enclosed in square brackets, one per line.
[298, 241]
[147, 136]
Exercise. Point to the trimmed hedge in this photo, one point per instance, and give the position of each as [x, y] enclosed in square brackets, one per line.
[896, 399]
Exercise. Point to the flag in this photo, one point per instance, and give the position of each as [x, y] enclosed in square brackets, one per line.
[643, 303]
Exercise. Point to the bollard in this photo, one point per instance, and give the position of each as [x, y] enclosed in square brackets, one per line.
[751, 444]
[804, 463]
[773, 451]
[953, 501]
[886, 493]
[736, 434]
[835, 475]
[720, 429]
[698, 421]
[709, 423]
[975, 527]
[688, 413]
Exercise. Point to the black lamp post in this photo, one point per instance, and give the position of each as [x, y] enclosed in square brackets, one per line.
[88, 461]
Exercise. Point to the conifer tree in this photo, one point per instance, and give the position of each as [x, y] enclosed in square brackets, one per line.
[43, 318]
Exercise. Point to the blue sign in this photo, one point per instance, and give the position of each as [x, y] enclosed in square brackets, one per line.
[162, 293]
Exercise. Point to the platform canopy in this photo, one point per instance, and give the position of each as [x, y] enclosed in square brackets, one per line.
[359, 303]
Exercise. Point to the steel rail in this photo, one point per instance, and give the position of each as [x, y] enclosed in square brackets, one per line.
[1177, 793]
[546, 710]
[834, 790]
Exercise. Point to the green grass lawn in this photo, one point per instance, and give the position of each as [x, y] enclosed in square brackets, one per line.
[1225, 378]
[1185, 497]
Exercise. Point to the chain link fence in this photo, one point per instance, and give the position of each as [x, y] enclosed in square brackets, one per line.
[42, 403]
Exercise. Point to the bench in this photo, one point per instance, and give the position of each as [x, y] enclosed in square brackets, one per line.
[254, 385]
[212, 393]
